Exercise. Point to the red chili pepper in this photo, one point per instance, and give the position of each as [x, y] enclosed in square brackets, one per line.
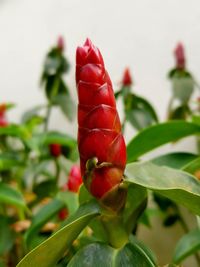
[55, 150]
[127, 79]
[179, 56]
[99, 133]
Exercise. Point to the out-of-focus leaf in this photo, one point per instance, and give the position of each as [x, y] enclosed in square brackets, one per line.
[158, 135]
[70, 199]
[192, 166]
[139, 112]
[9, 195]
[175, 160]
[33, 112]
[178, 186]
[19, 131]
[45, 139]
[7, 236]
[66, 104]
[8, 161]
[51, 250]
[187, 245]
[183, 88]
[47, 188]
[42, 217]
[179, 113]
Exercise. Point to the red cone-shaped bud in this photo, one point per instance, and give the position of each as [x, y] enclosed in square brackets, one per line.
[55, 150]
[99, 133]
[179, 56]
[3, 120]
[63, 214]
[127, 79]
[61, 43]
[74, 179]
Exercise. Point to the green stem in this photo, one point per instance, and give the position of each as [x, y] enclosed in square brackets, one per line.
[47, 117]
[57, 170]
[115, 230]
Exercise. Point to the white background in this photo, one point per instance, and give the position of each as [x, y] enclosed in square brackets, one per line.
[140, 34]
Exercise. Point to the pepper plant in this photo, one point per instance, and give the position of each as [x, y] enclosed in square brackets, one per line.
[114, 196]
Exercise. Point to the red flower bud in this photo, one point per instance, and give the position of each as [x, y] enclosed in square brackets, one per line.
[61, 43]
[99, 133]
[55, 150]
[63, 214]
[127, 79]
[3, 121]
[179, 56]
[74, 179]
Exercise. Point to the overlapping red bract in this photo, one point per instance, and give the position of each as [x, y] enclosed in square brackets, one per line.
[99, 133]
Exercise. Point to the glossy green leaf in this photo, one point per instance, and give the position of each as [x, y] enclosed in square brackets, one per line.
[50, 251]
[146, 249]
[158, 135]
[9, 195]
[42, 217]
[187, 245]
[175, 160]
[176, 185]
[100, 254]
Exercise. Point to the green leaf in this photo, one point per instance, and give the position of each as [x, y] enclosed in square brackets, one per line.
[175, 160]
[100, 254]
[146, 249]
[54, 138]
[7, 236]
[139, 111]
[47, 188]
[176, 185]
[192, 166]
[8, 161]
[183, 88]
[179, 113]
[9, 195]
[42, 217]
[50, 251]
[33, 112]
[66, 104]
[187, 245]
[19, 131]
[158, 135]
[70, 199]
